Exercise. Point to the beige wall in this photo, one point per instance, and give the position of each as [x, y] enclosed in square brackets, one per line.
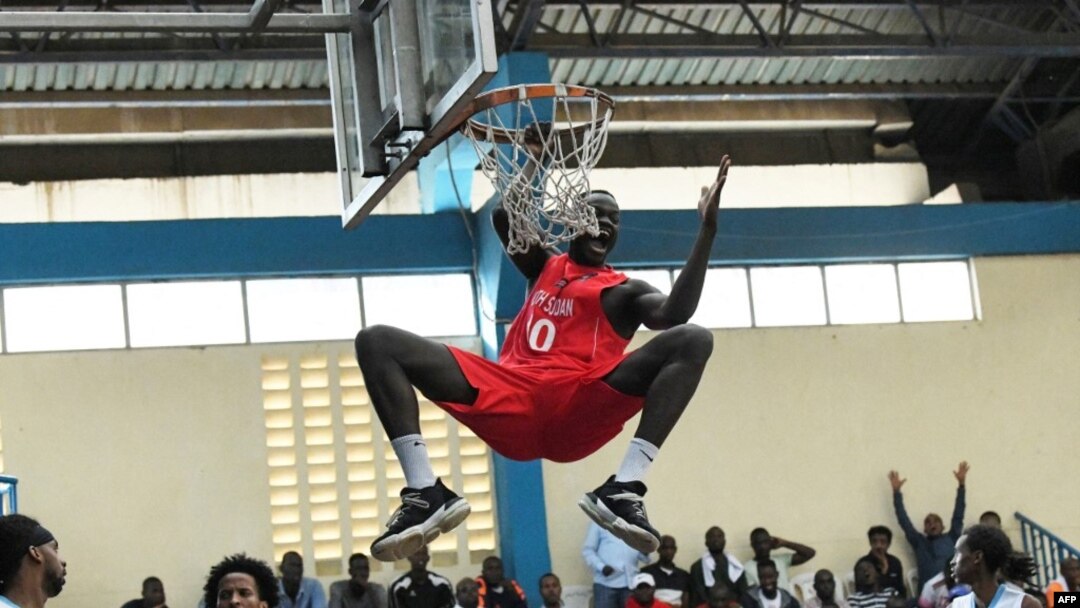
[796, 429]
[153, 461]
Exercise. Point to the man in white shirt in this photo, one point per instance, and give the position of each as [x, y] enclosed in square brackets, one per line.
[763, 544]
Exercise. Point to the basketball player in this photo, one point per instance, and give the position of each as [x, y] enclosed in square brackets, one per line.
[563, 386]
[983, 558]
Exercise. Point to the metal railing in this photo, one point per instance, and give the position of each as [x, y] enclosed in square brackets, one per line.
[9, 495]
[1047, 549]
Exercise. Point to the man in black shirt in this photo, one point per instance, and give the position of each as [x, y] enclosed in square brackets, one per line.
[672, 582]
[890, 572]
[419, 588]
[153, 595]
[497, 591]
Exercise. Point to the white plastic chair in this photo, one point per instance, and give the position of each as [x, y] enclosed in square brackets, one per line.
[849, 583]
[911, 577]
[803, 586]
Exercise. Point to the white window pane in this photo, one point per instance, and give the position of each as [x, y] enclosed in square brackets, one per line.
[660, 279]
[185, 313]
[725, 299]
[791, 295]
[936, 291]
[298, 310]
[863, 293]
[75, 317]
[429, 305]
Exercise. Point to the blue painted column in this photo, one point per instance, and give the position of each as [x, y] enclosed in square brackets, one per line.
[519, 486]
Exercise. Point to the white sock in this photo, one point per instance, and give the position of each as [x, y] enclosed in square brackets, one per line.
[412, 454]
[636, 463]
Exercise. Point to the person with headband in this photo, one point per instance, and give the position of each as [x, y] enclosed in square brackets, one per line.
[31, 569]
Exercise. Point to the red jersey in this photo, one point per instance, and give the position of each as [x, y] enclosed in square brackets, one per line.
[562, 326]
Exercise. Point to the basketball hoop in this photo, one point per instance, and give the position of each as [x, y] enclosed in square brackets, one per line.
[561, 130]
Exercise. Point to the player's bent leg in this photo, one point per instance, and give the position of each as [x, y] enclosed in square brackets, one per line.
[666, 371]
[392, 362]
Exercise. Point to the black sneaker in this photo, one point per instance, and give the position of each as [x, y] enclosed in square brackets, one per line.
[618, 508]
[422, 516]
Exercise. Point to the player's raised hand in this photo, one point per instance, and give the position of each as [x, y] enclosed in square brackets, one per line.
[710, 196]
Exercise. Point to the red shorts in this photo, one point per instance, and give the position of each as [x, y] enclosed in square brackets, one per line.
[559, 416]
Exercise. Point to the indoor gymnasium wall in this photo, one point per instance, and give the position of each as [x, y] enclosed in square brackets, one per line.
[154, 462]
[795, 429]
[142, 462]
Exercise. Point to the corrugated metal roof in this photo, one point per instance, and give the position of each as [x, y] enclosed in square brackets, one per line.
[160, 76]
[720, 19]
[732, 20]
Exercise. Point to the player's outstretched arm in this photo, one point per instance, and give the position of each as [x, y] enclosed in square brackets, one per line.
[679, 306]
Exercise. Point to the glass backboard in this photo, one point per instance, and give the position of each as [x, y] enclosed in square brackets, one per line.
[398, 81]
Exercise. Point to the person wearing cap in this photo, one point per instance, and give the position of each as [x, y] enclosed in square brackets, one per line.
[643, 593]
[31, 569]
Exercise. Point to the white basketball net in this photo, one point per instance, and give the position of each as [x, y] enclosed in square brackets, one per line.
[570, 134]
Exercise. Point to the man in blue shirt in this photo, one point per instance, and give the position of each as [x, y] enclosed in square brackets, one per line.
[31, 569]
[934, 547]
[614, 565]
[295, 590]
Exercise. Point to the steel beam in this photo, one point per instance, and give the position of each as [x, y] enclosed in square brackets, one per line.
[169, 22]
[524, 23]
[677, 46]
[261, 13]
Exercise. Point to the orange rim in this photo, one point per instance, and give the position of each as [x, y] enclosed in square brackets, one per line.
[504, 95]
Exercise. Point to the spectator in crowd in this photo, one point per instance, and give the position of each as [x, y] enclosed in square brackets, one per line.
[868, 590]
[551, 590]
[939, 591]
[419, 588]
[824, 592]
[890, 571]
[467, 593]
[672, 582]
[497, 591]
[1069, 580]
[763, 544]
[767, 593]
[721, 596]
[357, 591]
[990, 518]
[153, 595]
[294, 589]
[31, 569]
[239, 581]
[643, 593]
[984, 557]
[614, 565]
[716, 568]
[933, 547]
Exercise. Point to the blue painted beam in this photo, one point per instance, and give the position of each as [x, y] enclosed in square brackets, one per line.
[109, 251]
[446, 176]
[842, 234]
